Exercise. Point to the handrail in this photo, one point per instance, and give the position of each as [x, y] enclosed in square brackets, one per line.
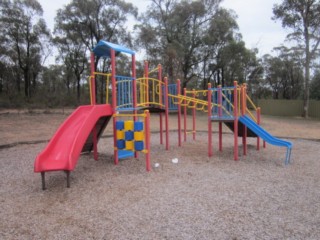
[156, 86]
[108, 75]
[102, 74]
[252, 105]
[251, 102]
[154, 70]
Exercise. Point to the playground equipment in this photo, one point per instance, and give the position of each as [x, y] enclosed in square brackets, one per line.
[226, 105]
[134, 98]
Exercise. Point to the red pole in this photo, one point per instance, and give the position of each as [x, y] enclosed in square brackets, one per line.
[147, 138]
[194, 117]
[160, 100]
[93, 79]
[185, 115]
[220, 101]
[114, 102]
[209, 121]
[258, 122]
[243, 100]
[220, 115]
[134, 83]
[167, 112]
[161, 130]
[179, 113]
[93, 102]
[244, 139]
[160, 83]
[235, 112]
[146, 75]
[244, 134]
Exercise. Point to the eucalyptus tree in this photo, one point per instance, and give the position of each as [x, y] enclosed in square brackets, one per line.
[223, 30]
[23, 32]
[88, 21]
[303, 18]
[237, 63]
[81, 24]
[283, 73]
[72, 53]
[175, 31]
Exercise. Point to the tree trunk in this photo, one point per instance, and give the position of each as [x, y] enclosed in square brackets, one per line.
[306, 90]
[26, 83]
[218, 78]
[222, 78]
[78, 89]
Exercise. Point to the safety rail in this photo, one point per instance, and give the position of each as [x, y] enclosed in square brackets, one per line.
[124, 87]
[224, 102]
[253, 106]
[172, 92]
[182, 101]
[150, 92]
[107, 75]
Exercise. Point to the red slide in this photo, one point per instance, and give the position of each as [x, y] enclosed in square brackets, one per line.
[73, 137]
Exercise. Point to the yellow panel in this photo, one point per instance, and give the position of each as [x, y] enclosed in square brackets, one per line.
[128, 125]
[120, 134]
[129, 145]
[138, 136]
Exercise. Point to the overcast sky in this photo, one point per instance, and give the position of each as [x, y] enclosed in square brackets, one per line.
[254, 19]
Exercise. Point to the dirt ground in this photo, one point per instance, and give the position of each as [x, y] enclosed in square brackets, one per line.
[256, 197]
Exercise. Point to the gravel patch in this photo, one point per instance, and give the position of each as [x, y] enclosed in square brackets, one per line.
[256, 197]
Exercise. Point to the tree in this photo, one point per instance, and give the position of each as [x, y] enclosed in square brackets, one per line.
[315, 86]
[73, 55]
[81, 24]
[302, 16]
[283, 73]
[177, 30]
[236, 62]
[89, 21]
[223, 30]
[22, 33]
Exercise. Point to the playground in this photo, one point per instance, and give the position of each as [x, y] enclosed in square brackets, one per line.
[256, 197]
[159, 173]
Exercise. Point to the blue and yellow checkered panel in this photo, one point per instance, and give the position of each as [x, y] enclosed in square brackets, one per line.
[130, 135]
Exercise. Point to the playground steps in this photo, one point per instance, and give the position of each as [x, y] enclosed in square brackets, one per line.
[100, 126]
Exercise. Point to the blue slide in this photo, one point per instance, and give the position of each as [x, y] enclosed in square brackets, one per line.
[266, 136]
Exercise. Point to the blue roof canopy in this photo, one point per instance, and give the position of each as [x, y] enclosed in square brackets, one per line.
[103, 49]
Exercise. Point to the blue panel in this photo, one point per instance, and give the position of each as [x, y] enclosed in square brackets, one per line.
[121, 144]
[125, 154]
[138, 145]
[119, 125]
[129, 135]
[138, 126]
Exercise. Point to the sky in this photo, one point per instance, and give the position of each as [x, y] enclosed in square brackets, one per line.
[254, 19]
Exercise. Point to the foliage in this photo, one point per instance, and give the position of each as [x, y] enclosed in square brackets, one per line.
[81, 24]
[315, 86]
[196, 41]
[23, 33]
[173, 31]
[283, 74]
[302, 17]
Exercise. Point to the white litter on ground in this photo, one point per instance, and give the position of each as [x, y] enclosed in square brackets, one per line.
[175, 160]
